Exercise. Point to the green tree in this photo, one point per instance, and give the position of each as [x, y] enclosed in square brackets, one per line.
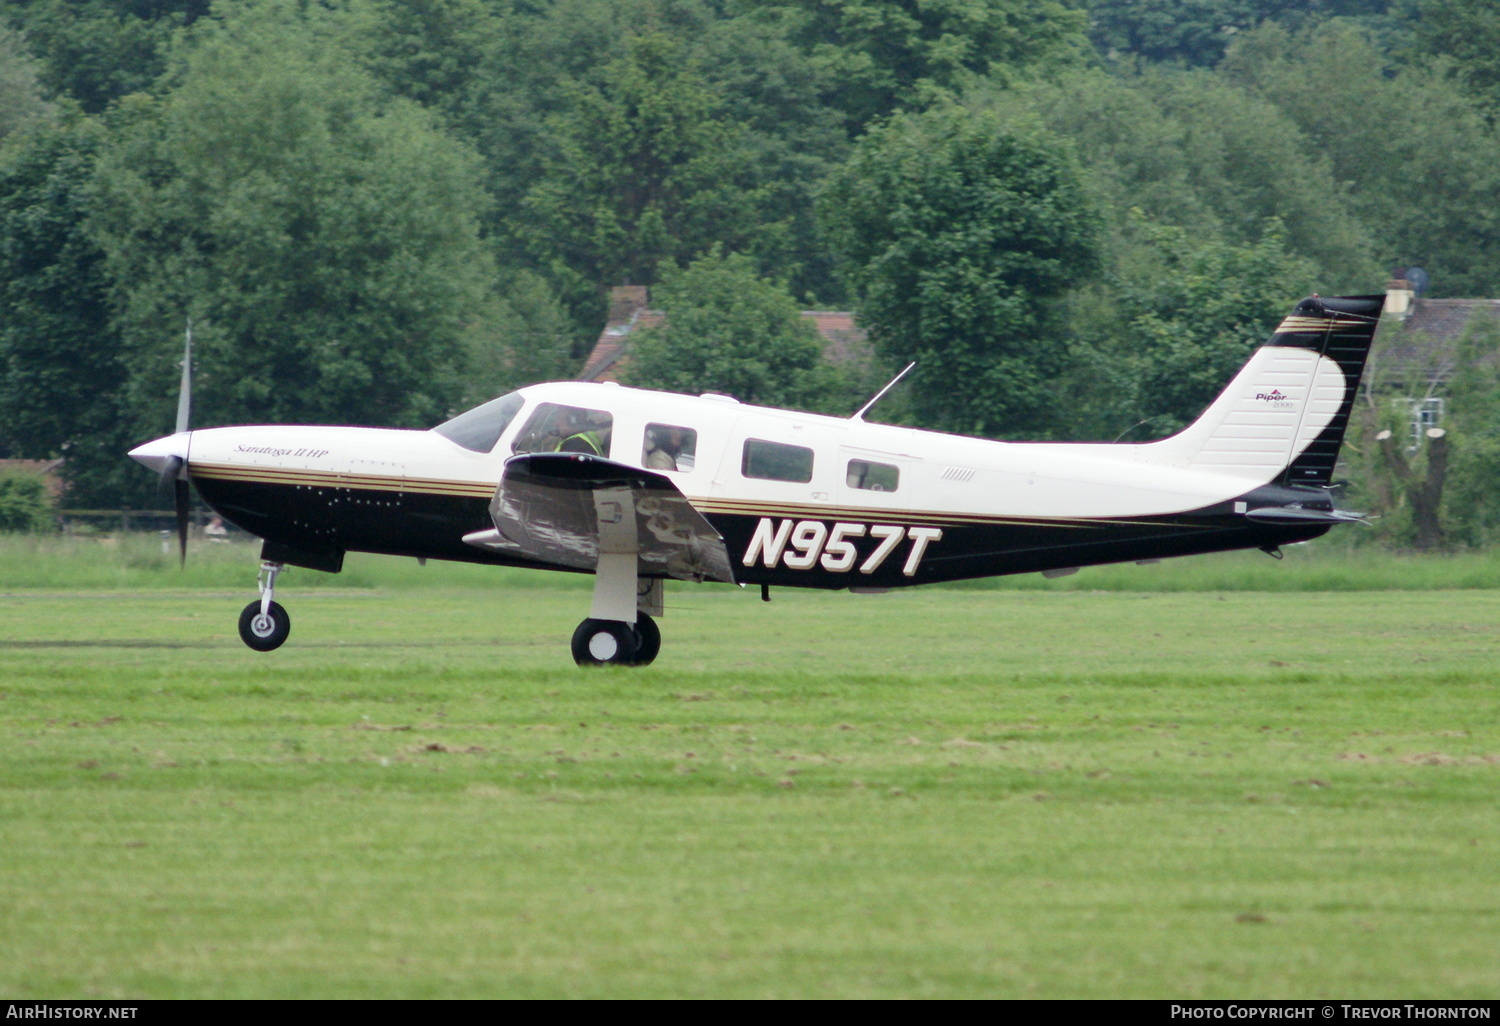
[1174, 322]
[1419, 164]
[888, 54]
[20, 94]
[1191, 150]
[96, 51]
[61, 368]
[727, 329]
[1471, 503]
[1430, 486]
[525, 336]
[24, 503]
[644, 168]
[553, 62]
[1197, 32]
[1467, 32]
[439, 53]
[321, 235]
[960, 233]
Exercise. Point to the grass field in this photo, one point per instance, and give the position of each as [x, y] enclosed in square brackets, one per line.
[937, 793]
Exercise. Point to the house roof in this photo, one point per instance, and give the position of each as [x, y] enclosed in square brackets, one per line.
[844, 341]
[1426, 341]
[614, 345]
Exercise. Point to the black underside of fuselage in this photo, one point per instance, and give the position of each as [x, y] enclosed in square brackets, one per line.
[323, 523]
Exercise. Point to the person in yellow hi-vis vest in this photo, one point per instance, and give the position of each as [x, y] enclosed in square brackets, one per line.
[591, 437]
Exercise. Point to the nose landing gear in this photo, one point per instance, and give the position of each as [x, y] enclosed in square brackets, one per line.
[264, 624]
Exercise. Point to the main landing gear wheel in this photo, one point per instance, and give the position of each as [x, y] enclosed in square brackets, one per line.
[263, 632]
[605, 643]
[647, 640]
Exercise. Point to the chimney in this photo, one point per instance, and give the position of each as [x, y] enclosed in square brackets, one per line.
[1399, 295]
[625, 304]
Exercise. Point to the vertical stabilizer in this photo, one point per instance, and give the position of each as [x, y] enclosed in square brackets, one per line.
[1283, 416]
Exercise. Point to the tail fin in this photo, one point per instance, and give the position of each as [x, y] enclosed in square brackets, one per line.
[1282, 418]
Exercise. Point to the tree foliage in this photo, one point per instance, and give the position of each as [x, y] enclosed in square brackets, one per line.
[96, 51]
[1467, 33]
[1196, 33]
[376, 211]
[1471, 509]
[729, 330]
[62, 374]
[20, 92]
[1179, 319]
[321, 236]
[1190, 150]
[888, 54]
[24, 503]
[1421, 165]
[644, 168]
[960, 233]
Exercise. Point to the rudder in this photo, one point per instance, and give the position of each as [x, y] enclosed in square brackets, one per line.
[1341, 329]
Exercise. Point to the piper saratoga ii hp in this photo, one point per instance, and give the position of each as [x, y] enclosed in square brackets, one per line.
[637, 486]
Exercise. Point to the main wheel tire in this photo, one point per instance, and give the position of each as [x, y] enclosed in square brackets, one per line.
[647, 640]
[263, 633]
[604, 643]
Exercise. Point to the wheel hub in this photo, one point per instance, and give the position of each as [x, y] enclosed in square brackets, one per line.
[603, 646]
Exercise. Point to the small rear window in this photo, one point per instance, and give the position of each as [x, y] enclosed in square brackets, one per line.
[772, 461]
[873, 477]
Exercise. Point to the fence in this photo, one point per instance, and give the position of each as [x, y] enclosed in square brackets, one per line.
[98, 521]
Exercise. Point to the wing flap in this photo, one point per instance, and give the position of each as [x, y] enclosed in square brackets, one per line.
[565, 508]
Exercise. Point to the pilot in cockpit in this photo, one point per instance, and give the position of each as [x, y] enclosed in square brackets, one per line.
[589, 432]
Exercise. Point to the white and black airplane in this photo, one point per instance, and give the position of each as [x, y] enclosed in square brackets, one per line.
[637, 486]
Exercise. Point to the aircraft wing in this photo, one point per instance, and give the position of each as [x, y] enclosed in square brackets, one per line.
[567, 508]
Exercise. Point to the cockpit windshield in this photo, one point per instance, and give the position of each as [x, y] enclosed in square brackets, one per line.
[480, 428]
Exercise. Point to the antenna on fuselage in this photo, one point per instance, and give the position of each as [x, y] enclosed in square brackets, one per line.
[860, 416]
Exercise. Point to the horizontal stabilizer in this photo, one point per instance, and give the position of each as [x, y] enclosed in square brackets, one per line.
[1295, 515]
[566, 508]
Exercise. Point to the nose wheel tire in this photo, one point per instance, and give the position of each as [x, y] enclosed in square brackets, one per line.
[264, 632]
[604, 643]
[648, 640]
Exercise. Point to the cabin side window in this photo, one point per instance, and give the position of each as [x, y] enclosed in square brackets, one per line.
[669, 447]
[772, 461]
[480, 428]
[873, 477]
[555, 428]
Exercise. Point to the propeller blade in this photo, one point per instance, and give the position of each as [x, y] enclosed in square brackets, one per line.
[171, 470]
[174, 470]
[185, 392]
[173, 480]
[180, 488]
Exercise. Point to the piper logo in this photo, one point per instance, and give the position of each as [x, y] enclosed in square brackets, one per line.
[1276, 399]
[805, 544]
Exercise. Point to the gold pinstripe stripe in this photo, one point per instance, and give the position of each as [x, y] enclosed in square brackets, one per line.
[329, 479]
[750, 507]
[1305, 324]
